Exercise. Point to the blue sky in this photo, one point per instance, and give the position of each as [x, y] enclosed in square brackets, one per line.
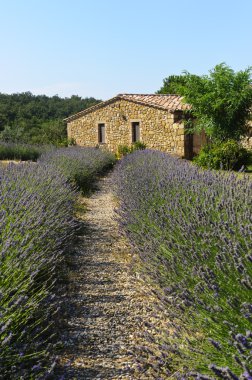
[101, 48]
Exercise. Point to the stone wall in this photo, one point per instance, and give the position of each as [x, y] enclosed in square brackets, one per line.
[247, 141]
[157, 127]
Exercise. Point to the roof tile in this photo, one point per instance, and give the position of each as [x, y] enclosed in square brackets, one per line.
[162, 101]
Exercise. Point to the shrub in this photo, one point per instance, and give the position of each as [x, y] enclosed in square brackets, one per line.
[79, 165]
[66, 142]
[23, 152]
[228, 155]
[192, 230]
[138, 145]
[123, 150]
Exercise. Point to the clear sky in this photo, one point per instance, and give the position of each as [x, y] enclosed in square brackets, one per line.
[101, 48]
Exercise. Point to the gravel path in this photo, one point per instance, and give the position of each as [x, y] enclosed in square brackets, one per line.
[113, 321]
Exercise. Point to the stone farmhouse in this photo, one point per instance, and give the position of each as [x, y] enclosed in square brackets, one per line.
[155, 120]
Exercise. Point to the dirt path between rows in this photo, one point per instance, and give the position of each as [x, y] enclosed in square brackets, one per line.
[112, 318]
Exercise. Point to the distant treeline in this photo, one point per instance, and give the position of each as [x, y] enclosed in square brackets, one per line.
[38, 119]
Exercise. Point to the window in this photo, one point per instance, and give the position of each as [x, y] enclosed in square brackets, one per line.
[101, 133]
[178, 116]
[135, 131]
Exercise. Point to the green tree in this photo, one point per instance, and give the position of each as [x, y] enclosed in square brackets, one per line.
[29, 118]
[171, 84]
[12, 134]
[221, 101]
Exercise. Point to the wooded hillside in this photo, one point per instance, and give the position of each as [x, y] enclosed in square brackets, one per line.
[38, 119]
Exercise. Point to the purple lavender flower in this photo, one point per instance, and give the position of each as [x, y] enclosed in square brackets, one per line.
[36, 225]
[192, 230]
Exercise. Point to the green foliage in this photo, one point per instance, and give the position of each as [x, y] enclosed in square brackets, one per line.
[123, 150]
[170, 84]
[228, 155]
[23, 152]
[249, 162]
[71, 142]
[138, 145]
[38, 119]
[221, 101]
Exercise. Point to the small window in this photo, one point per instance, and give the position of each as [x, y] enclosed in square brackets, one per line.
[135, 131]
[101, 133]
[178, 116]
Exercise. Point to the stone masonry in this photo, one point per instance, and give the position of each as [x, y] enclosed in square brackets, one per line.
[161, 123]
[160, 128]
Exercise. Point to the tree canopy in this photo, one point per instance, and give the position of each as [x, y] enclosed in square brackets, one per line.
[221, 101]
[38, 118]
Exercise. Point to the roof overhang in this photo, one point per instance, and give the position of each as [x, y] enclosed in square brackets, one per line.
[131, 98]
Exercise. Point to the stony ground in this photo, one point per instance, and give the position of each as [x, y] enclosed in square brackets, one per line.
[114, 322]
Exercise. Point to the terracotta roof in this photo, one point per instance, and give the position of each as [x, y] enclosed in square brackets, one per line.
[169, 103]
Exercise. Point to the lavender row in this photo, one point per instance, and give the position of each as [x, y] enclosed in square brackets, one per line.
[193, 232]
[79, 165]
[37, 224]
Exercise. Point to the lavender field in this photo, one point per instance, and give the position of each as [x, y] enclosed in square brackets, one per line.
[79, 165]
[192, 230]
[37, 225]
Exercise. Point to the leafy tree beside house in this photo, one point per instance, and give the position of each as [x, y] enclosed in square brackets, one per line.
[221, 103]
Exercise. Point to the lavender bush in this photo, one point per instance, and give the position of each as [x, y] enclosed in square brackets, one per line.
[36, 220]
[37, 224]
[79, 165]
[193, 232]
